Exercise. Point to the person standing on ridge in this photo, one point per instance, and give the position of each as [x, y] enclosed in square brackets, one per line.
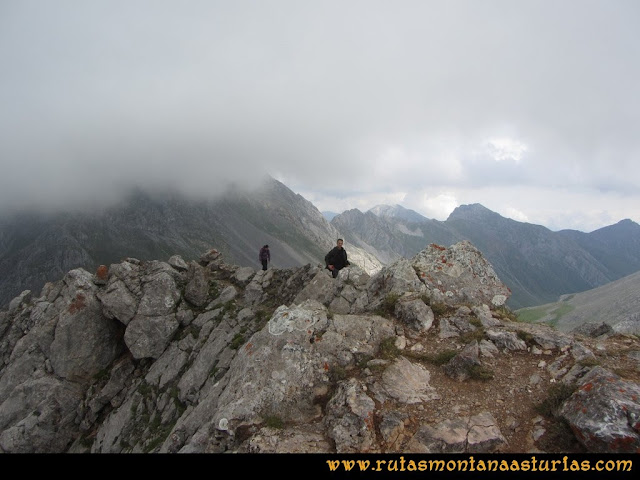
[264, 256]
[336, 259]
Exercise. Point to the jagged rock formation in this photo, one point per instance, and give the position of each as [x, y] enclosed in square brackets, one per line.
[422, 356]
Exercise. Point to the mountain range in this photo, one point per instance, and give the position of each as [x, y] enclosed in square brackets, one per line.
[537, 264]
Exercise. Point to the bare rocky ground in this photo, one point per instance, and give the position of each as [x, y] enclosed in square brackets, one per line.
[516, 387]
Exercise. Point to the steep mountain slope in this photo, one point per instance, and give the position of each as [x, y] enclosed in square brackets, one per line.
[617, 247]
[616, 304]
[37, 248]
[537, 264]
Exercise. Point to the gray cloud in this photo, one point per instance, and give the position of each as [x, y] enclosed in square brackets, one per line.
[346, 102]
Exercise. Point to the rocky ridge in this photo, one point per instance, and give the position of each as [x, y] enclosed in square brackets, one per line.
[203, 356]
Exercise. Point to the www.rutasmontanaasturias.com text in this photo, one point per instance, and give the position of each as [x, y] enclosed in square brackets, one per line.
[532, 464]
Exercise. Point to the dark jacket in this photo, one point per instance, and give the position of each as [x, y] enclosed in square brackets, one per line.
[264, 254]
[337, 257]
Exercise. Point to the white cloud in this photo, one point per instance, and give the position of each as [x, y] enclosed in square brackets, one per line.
[504, 149]
[438, 207]
[515, 214]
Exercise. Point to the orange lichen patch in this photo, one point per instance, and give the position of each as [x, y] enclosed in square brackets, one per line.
[78, 303]
[587, 387]
[326, 367]
[438, 247]
[248, 346]
[102, 272]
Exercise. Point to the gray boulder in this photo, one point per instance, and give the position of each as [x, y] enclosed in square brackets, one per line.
[196, 291]
[408, 382]
[322, 288]
[506, 340]
[604, 413]
[84, 342]
[460, 366]
[39, 416]
[148, 337]
[592, 330]
[349, 418]
[414, 313]
[478, 434]
[459, 274]
[160, 295]
[177, 262]
[117, 301]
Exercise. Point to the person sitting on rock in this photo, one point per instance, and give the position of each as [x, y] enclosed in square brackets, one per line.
[336, 259]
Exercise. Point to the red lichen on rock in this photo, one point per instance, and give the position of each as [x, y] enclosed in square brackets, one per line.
[369, 422]
[622, 444]
[587, 387]
[77, 304]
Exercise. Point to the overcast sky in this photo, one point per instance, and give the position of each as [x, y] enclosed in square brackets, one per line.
[531, 108]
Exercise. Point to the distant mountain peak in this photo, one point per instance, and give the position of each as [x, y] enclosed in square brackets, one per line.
[473, 210]
[627, 222]
[397, 211]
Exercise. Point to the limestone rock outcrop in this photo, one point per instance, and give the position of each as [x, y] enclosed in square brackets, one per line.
[203, 356]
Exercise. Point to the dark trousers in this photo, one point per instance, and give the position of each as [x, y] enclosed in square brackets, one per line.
[264, 264]
[335, 272]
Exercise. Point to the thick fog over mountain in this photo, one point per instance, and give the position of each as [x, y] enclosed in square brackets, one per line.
[529, 108]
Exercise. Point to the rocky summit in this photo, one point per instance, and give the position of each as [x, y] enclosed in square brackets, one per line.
[422, 356]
